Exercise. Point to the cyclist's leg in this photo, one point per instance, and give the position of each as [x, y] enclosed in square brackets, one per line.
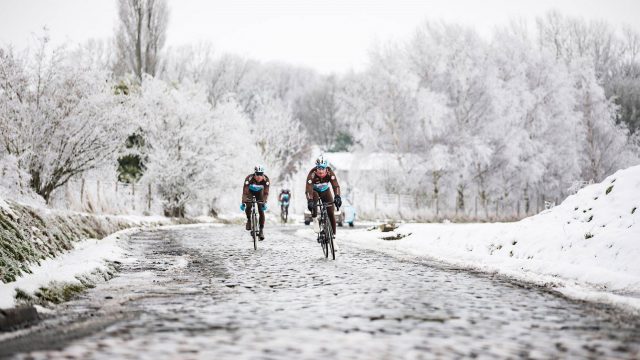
[314, 212]
[260, 197]
[247, 211]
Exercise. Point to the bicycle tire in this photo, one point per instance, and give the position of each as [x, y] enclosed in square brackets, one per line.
[323, 239]
[329, 231]
[325, 247]
[254, 227]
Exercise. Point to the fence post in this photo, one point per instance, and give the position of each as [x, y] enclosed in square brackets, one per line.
[82, 192]
[149, 199]
[518, 211]
[98, 193]
[67, 193]
[375, 201]
[476, 209]
[133, 196]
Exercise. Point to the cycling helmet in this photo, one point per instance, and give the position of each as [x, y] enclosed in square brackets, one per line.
[321, 162]
[258, 170]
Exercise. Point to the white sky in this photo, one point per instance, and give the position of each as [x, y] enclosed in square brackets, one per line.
[328, 35]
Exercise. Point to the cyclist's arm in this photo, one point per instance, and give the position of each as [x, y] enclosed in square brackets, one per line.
[266, 188]
[334, 183]
[309, 186]
[245, 189]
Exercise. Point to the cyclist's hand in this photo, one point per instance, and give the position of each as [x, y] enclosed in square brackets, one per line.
[243, 206]
[265, 207]
[338, 201]
[310, 205]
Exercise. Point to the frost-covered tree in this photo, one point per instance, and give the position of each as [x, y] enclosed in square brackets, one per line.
[605, 145]
[280, 139]
[14, 181]
[180, 138]
[141, 35]
[58, 120]
[189, 63]
[536, 104]
[319, 111]
[233, 157]
[452, 61]
[504, 119]
[614, 54]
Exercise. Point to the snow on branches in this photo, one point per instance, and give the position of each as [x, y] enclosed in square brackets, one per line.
[56, 119]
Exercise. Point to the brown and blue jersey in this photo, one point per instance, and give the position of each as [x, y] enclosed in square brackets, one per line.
[253, 187]
[321, 184]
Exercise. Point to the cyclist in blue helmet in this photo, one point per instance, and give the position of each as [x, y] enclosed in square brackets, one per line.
[256, 184]
[320, 179]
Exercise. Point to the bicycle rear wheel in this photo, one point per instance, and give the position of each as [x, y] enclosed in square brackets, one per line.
[325, 246]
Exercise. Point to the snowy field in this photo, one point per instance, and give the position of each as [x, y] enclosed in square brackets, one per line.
[587, 247]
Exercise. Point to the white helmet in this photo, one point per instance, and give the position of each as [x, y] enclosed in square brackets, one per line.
[321, 162]
[258, 170]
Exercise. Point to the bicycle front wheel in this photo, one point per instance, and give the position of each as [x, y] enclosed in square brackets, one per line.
[329, 234]
[323, 242]
[254, 230]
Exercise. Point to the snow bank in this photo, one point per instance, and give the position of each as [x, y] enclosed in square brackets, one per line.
[87, 255]
[49, 253]
[30, 235]
[588, 247]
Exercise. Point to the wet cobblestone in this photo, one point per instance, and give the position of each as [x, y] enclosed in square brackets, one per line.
[203, 292]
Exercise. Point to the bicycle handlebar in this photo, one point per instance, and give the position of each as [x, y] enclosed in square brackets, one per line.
[254, 201]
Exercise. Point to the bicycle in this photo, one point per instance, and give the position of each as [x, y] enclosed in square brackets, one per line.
[254, 221]
[325, 236]
[284, 211]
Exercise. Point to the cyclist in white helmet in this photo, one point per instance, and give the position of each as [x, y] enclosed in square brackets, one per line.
[319, 180]
[256, 184]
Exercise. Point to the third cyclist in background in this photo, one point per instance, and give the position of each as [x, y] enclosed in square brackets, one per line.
[284, 198]
[319, 180]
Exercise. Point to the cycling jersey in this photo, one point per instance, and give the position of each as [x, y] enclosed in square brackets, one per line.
[315, 183]
[253, 186]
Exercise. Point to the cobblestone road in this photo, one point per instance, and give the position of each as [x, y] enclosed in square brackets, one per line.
[203, 292]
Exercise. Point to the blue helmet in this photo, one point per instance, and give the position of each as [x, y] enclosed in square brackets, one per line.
[321, 162]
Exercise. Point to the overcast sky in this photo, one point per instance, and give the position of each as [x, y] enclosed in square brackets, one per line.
[328, 35]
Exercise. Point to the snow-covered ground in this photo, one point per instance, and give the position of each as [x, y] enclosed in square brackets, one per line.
[587, 248]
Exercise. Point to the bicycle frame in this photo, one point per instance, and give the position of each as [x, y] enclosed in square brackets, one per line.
[254, 221]
[325, 236]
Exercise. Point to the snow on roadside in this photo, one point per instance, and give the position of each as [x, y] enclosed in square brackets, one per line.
[87, 256]
[587, 248]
